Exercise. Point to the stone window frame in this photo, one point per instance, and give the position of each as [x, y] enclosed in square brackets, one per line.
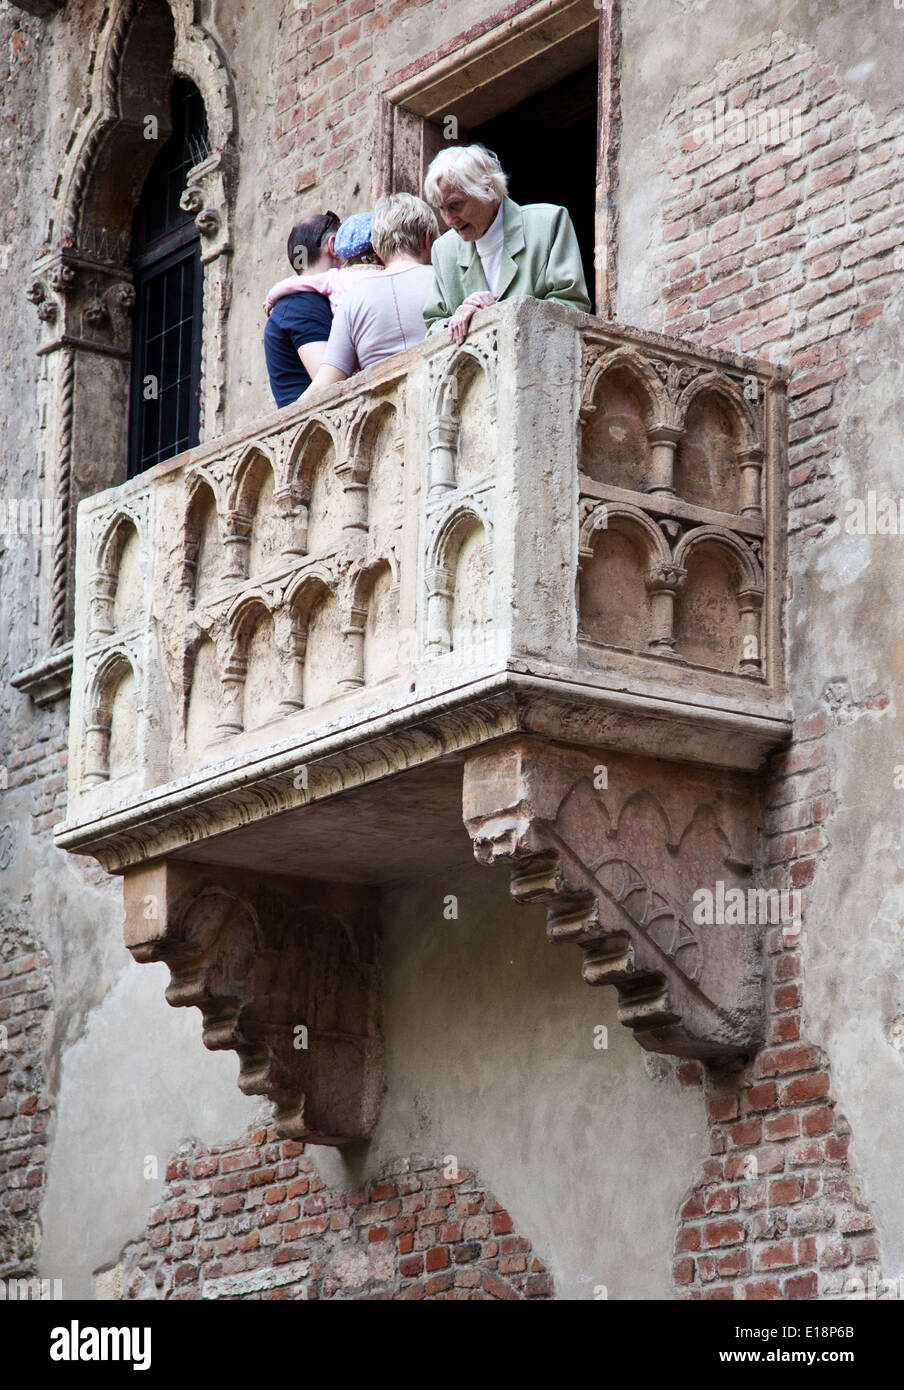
[519, 50]
[83, 292]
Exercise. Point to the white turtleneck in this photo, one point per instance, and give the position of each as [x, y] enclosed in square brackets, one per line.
[489, 249]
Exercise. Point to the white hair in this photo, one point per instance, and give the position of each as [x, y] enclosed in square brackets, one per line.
[472, 169]
[402, 223]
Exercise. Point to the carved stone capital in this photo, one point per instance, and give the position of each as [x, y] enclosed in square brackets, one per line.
[668, 577]
[88, 293]
[96, 313]
[285, 973]
[192, 200]
[621, 853]
[62, 277]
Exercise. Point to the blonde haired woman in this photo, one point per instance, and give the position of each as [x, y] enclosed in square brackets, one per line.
[384, 314]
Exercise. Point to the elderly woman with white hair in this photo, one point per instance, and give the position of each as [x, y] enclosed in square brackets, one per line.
[494, 249]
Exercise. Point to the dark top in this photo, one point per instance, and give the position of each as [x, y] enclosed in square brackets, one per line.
[295, 320]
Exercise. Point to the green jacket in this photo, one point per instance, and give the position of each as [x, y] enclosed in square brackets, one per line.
[540, 258]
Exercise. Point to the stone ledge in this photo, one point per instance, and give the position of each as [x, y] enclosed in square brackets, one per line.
[48, 679]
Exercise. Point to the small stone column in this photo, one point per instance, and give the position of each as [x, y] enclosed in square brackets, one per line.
[353, 653]
[190, 555]
[439, 612]
[750, 464]
[354, 498]
[97, 754]
[102, 594]
[234, 672]
[238, 544]
[663, 440]
[443, 441]
[750, 605]
[293, 515]
[663, 584]
[292, 643]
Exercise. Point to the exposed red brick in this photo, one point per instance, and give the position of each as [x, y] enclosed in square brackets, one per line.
[805, 1088]
[801, 1286]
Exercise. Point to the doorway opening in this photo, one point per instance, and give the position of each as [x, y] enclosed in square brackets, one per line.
[525, 84]
[548, 146]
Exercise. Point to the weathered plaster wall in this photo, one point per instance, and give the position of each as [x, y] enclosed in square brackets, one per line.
[491, 1057]
[846, 639]
[674, 44]
[131, 1088]
[490, 1037]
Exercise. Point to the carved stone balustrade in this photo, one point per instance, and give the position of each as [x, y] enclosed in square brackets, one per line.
[527, 591]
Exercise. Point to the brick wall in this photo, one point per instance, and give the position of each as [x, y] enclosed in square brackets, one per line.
[254, 1220]
[325, 104]
[39, 760]
[782, 236]
[785, 250]
[25, 997]
[777, 1211]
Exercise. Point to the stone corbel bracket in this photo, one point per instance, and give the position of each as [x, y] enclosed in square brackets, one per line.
[615, 848]
[286, 974]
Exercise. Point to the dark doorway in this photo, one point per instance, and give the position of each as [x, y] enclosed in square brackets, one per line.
[547, 144]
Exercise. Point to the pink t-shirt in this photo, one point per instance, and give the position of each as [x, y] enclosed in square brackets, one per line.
[331, 283]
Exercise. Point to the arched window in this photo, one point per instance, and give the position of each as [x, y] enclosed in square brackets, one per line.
[164, 411]
[119, 287]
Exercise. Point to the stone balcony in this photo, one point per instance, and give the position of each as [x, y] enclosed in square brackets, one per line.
[521, 599]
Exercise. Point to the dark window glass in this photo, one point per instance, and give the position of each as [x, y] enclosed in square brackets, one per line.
[166, 254]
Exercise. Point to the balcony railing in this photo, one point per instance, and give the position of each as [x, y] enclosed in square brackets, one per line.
[565, 530]
[577, 510]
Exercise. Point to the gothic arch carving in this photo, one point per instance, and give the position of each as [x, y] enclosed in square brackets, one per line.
[106, 568]
[459, 367]
[719, 617]
[622, 404]
[747, 568]
[313, 598]
[450, 527]
[466, 367]
[363, 432]
[720, 450]
[714, 384]
[623, 561]
[362, 576]
[601, 514]
[201, 503]
[251, 496]
[307, 588]
[634, 367]
[247, 478]
[447, 563]
[114, 667]
[302, 457]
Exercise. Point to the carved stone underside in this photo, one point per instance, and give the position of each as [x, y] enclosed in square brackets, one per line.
[286, 974]
[615, 848]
